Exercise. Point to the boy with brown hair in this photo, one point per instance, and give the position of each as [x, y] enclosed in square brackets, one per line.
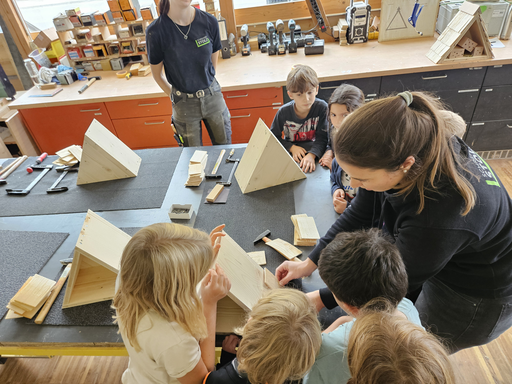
[358, 267]
[301, 125]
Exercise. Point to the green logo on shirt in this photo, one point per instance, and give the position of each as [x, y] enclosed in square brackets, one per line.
[202, 41]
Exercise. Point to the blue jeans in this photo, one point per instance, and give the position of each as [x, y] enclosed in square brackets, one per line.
[463, 321]
[187, 114]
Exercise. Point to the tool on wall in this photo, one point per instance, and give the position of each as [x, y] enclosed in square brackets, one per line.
[27, 190]
[281, 47]
[10, 169]
[358, 19]
[292, 45]
[64, 170]
[230, 160]
[244, 32]
[271, 48]
[89, 83]
[413, 19]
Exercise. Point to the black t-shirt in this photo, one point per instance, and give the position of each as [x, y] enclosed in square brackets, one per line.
[187, 62]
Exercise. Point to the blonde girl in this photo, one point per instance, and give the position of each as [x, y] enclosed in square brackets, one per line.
[280, 342]
[387, 349]
[167, 328]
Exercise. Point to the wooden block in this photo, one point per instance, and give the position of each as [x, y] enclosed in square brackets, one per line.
[259, 257]
[478, 51]
[30, 296]
[12, 315]
[456, 52]
[307, 228]
[212, 196]
[105, 157]
[48, 86]
[270, 280]
[336, 32]
[284, 248]
[134, 69]
[76, 151]
[198, 157]
[265, 162]
[467, 44]
[30, 314]
[145, 70]
[96, 262]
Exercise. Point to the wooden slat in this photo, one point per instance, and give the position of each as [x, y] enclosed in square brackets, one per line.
[227, 11]
[15, 26]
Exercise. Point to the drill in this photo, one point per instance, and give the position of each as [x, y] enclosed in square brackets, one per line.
[281, 48]
[270, 45]
[246, 49]
[292, 46]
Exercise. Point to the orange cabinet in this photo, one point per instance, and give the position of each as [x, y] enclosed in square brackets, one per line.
[146, 132]
[54, 128]
[244, 120]
[139, 108]
[251, 98]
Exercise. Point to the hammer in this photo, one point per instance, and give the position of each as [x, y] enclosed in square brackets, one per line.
[89, 83]
[281, 246]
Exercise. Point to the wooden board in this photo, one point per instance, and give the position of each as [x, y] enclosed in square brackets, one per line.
[307, 228]
[212, 196]
[245, 274]
[33, 292]
[394, 16]
[105, 157]
[259, 257]
[270, 280]
[284, 248]
[230, 316]
[265, 162]
[96, 262]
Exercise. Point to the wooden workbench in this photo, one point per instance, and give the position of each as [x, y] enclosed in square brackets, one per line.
[260, 70]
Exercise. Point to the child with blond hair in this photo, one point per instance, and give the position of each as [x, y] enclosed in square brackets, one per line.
[386, 349]
[301, 125]
[168, 330]
[279, 342]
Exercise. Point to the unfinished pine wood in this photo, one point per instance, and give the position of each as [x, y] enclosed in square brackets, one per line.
[33, 292]
[307, 228]
[21, 134]
[297, 240]
[259, 257]
[212, 196]
[105, 157]
[270, 280]
[284, 248]
[265, 162]
[230, 316]
[198, 157]
[96, 262]
[245, 275]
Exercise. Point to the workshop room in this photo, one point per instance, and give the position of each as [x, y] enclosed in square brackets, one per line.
[183, 200]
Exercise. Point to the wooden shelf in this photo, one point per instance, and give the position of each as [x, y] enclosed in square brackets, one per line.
[108, 25]
[103, 42]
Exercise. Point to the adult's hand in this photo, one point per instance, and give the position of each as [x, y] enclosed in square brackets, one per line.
[290, 270]
[307, 164]
[297, 153]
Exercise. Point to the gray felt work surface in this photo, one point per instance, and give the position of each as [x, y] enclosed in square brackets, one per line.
[145, 191]
[91, 314]
[23, 254]
[247, 216]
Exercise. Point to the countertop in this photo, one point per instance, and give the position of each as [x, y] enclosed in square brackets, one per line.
[260, 70]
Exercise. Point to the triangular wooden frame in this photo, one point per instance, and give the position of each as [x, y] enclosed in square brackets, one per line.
[105, 157]
[265, 162]
[466, 23]
[96, 262]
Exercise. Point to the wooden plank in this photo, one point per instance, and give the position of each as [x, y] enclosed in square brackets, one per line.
[307, 228]
[212, 196]
[230, 316]
[105, 157]
[270, 280]
[14, 23]
[33, 292]
[227, 11]
[76, 151]
[259, 257]
[265, 162]
[284, 248]
[198, 157]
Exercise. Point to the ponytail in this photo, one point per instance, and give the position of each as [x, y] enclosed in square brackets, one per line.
[163, 7]
[384, 133]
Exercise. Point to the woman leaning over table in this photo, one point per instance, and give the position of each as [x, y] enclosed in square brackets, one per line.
[184, 42]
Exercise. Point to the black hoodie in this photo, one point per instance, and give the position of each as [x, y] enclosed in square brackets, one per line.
[472, 254]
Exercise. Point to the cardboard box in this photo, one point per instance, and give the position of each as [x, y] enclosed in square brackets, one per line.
[73, 12]
[103, 18]
[137, 29]
[97, 65]
[130, 15]
[88, 51]
[45, 37]
[114, 5]
[75, 20]
[88, 20]
[123, 33]
[75, 53]
[83, 36]
[126, 47]
[118, 16]
[146, 14]
[119, 63]
[88, 66]
[62, 23]
[126, 5]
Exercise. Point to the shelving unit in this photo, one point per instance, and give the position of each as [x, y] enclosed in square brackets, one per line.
[110, 30]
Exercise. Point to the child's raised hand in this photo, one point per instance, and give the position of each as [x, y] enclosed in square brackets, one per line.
[297, 153]
[215, 235]
[307, 164]
[214, 286]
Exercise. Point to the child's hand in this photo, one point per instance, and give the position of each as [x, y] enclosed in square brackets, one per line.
[307, 163]
[230, 343]
[339, 193]
[340, 204]
[326, 159]
[215, 235]
[297, 153]
[214, 286]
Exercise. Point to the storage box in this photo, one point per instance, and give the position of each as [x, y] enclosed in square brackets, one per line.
[118, 16]
[181, 212]
[88, 66]
[75, 20]
[88, 51]
[118, 63]
[83, 36]
[103, 18]
[62, 23]
[73, 12]
[146, 14]
[137, 29]
[126, 47]
[75, 53]
[45, 37]
[114, 48]
[130, 15]
[141, 46]
[56, 50]
[125, 5]
[100, 50]
[105, 64]
[97, 65]
[88, 20]
[123, 33]
[114, 5]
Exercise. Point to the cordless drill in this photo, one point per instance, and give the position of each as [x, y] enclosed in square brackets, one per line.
[292, 46]
[246, 49]
[281, 48]
[271, 47]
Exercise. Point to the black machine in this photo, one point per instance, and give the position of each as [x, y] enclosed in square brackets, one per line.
[271, 47]
[6, 85]
[292, 45]
[246, 49]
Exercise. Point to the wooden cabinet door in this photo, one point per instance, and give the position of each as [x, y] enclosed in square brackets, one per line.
[243, 122]
[159, 106]
[146, 132]
[54, 128]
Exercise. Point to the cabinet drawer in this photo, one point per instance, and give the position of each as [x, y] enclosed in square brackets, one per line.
[488, 136]
[433, 81]
[54, 128]
[139, 108]
[369, 86]
[243, 122]
[498, 75]
[146, 132]
[251, 98]
[462, 101]
[494, 103]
